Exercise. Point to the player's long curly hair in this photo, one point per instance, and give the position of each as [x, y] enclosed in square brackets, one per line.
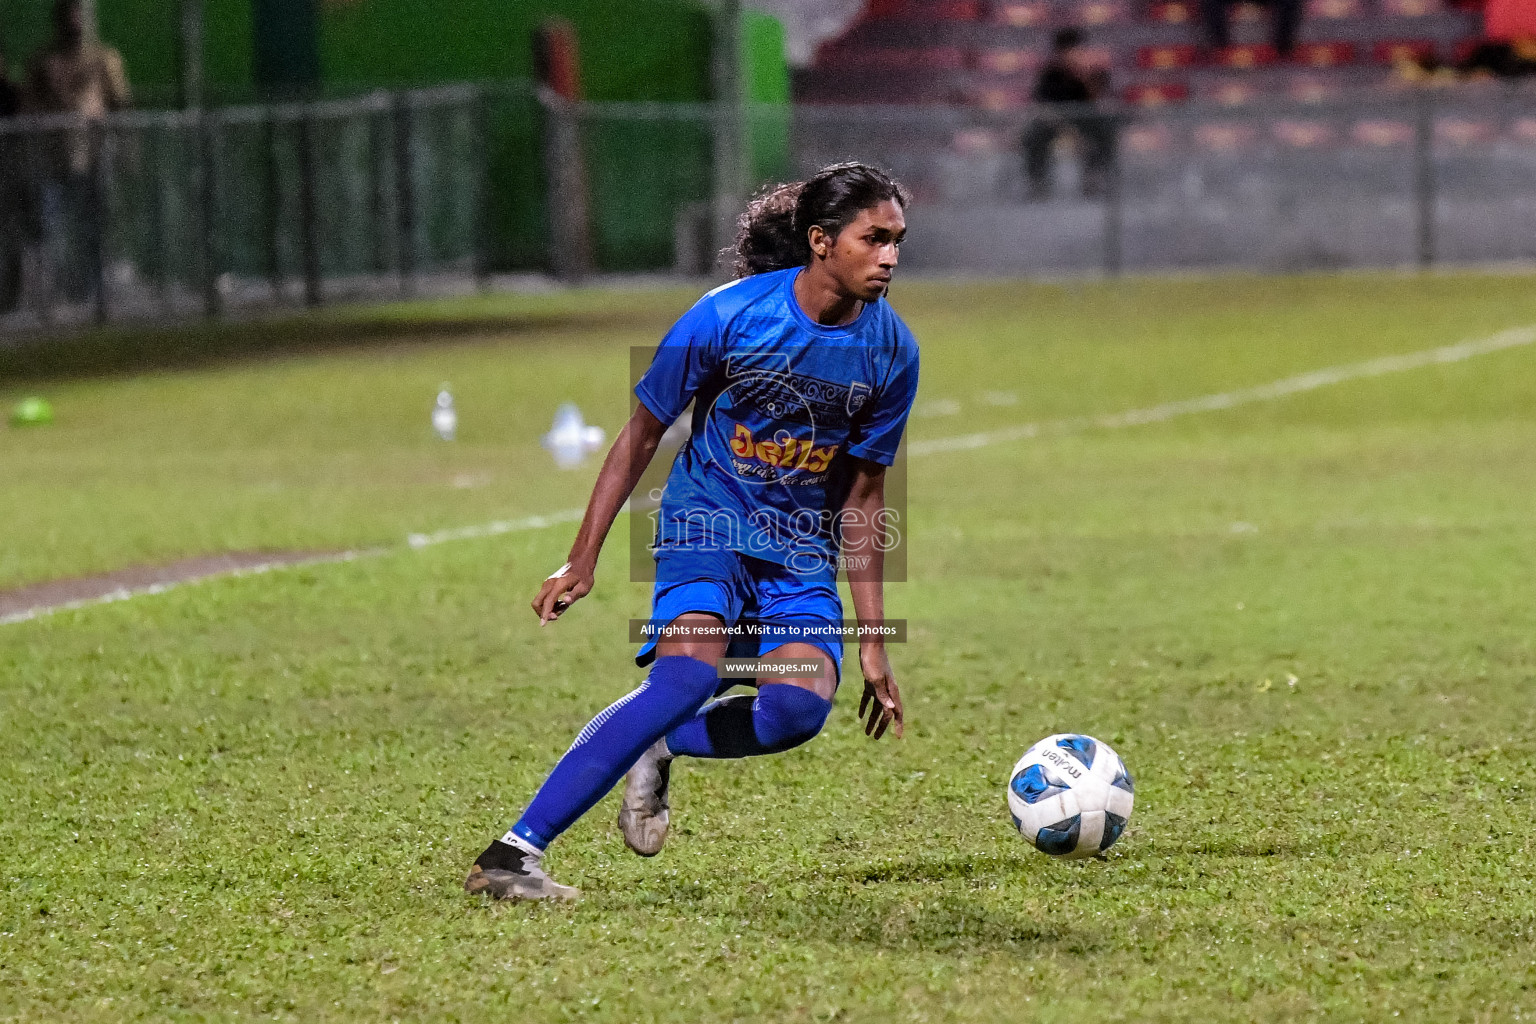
[773, 233]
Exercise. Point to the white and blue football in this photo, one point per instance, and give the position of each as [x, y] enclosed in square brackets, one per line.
[1070, 796]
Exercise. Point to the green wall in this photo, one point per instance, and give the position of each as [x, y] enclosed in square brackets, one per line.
[371, 43]
[631, 50]
[478, 39]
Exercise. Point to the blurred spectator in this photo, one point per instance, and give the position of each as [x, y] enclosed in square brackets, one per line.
[12, 209]
[75, 74]
[1285, 15]
[1067, 82]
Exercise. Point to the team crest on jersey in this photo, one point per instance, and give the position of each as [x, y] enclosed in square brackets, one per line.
[858, 394]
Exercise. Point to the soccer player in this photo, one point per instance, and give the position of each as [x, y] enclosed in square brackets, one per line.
[801, 377]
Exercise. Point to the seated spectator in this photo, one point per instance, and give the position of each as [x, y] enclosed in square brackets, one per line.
[1285, 15]
[1068, 83]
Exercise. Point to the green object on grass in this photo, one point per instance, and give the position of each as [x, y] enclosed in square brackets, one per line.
[32, 412]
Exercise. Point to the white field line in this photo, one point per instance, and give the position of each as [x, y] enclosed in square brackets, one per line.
[1513, 338]
[413, 541]
[127, 593]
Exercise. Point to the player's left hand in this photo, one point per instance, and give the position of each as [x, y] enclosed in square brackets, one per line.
[564, 587]
[881, 697]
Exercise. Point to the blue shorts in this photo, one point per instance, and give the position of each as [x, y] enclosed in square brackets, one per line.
[787, 606]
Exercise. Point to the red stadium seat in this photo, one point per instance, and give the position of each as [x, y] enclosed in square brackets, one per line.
[1173, 12]
[1022, 13]
[1410, 8]
[1324, 55]
[1094, 12]
[1007, 62]
[1397, 51]
[1233, 93]
[1167, 58]
[1330, 10]
[1156, 95]
[1253, 55]
[1000, 97]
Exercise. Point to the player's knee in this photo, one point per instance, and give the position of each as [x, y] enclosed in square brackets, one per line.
[786, 716]
[692, 680]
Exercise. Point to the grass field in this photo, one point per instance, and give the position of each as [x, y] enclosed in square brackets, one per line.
[1306, 623]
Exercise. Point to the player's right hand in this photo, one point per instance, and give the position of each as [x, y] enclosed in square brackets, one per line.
[564, 587]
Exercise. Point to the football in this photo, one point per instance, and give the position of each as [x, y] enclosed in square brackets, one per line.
[1070, 796]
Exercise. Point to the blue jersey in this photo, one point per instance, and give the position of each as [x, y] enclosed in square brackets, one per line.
[780, 403]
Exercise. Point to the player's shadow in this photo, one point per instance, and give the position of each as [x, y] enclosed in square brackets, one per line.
[904, 904]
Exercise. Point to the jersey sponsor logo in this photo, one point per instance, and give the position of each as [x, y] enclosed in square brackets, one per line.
[786, 452]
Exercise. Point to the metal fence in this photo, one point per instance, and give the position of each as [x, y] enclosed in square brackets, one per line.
[184, 214]
[176, 214]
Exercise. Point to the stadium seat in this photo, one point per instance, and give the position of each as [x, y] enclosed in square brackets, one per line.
[1461, 131]
[1230, 92]
[1022, 13]
[1324, 55]
[1092, 13]
[1252, 55]
[1156, 95]
[1400, 50]
[1007, 62]
[1174, 12]
[1225, 136]
[1167, 58]
[1148, 139]
[1382, 132]
[1523, 129]
[1333, 10]
[1303, 134]
[1409, 8]
[1312, 89]
[1000, 97]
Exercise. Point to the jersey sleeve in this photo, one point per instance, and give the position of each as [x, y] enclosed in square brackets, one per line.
[686, 358]
[876, 435]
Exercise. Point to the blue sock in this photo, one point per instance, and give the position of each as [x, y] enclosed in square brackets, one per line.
[611, 744]
[781, 716]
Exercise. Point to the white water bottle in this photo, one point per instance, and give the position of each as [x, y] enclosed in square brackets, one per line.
[571, 439]
[444, 419]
